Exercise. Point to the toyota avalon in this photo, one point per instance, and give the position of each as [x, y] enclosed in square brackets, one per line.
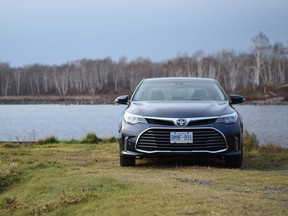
[180, 117]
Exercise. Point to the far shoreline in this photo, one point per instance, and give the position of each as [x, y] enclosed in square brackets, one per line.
[102, 99]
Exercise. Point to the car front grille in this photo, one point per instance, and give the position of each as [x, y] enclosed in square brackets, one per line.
[204, 140]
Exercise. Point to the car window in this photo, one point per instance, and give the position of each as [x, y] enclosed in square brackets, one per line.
[162, 91]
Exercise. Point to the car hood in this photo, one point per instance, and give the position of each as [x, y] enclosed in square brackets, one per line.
[176, 109]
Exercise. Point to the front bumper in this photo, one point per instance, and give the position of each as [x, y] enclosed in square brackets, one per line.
[179, 154]
[142, 140]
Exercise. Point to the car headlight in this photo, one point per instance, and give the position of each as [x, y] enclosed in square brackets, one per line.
[228, 119]
[133, 119]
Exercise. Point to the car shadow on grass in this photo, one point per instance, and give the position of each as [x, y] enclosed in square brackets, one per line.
[249, 163]
[180, 162]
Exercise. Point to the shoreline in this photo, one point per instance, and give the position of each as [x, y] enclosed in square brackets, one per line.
[65, 100]
[102, 99]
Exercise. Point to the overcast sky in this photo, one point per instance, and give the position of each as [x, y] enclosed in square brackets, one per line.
[57, 31]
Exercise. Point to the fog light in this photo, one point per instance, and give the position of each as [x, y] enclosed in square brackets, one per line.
[125, 143]
[236, 143]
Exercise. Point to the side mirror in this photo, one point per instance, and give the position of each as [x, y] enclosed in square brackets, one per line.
[122, 99]
[236, 99]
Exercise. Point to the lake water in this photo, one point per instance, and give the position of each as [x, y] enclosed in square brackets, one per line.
[32, 122]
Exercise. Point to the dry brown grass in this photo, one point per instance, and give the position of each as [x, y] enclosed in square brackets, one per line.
[86, 179]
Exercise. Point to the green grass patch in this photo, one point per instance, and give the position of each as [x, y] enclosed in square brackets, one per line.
[86, 179]
[90, 138]
[8, 174]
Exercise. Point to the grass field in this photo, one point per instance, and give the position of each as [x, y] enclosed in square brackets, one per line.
[86, 179]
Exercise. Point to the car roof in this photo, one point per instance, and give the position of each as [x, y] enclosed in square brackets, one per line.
[164, 79]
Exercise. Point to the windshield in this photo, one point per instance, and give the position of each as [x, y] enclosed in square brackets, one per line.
[179, 90]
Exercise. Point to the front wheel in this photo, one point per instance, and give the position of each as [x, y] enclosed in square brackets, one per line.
[234, 162]
[127, 161]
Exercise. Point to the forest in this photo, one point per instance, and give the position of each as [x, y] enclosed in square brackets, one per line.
[259, 73]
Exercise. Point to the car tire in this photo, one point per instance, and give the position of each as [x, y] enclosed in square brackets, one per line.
[127, 161]
[234, 161]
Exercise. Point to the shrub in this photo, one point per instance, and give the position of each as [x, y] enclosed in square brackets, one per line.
[272, 148]
[110, 140]
[11, 145]
[250, 141]
[48, 140]
[91, 138]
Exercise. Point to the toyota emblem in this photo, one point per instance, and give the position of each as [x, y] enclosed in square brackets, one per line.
[181, 122]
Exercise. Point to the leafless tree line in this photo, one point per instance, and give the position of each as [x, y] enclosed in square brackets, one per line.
[266, 64]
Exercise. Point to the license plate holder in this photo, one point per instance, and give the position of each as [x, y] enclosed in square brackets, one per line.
[181, 137]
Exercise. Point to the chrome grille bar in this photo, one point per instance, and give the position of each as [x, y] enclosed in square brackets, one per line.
[205, 139]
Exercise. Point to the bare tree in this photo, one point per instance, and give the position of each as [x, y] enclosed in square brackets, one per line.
[199, 59]
[231, 64]
[280, 55]
[261, 43]
[5, 78]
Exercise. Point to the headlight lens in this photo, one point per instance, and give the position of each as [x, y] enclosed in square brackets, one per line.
[133, 119]
[228, 119]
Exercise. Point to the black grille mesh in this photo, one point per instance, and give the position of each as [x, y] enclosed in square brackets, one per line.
[159, 140]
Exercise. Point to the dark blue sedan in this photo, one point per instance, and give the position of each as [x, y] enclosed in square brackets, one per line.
[180, 117]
